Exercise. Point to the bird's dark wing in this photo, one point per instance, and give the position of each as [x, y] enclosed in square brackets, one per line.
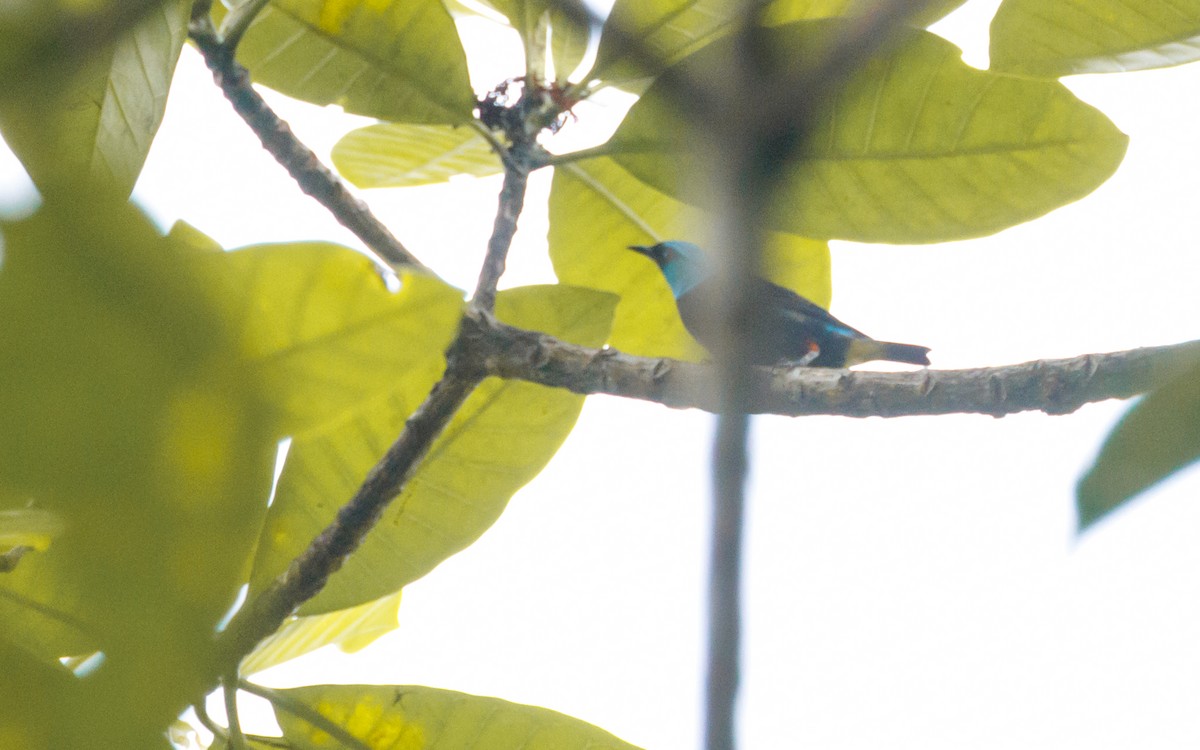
[806, 313]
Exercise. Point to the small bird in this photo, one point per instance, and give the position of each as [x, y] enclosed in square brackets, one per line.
[794, 330]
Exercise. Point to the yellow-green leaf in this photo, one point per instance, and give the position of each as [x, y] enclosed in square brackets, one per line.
[533, 19]
[318, 325]
[916, 147]
[597, 210]
[36, 702]
[665, 31]
[500, 439]
[786, 11]
[43, 41]
[407, 717]
[399, 61]
[1054, 38]
[570, 29]
[187, 237]
[402, 155]
[348, 629]
[99, 126]
[126, 413]
[1157, 437]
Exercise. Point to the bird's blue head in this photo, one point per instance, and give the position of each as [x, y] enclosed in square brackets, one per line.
[683, 264]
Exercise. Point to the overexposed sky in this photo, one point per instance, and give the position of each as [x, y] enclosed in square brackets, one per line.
[912, 583]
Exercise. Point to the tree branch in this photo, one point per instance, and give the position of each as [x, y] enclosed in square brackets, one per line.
[1053, 386]
[512, 200]
[309, 572]
[313, 177]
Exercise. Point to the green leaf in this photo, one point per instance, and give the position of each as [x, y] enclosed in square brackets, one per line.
[533, 19]
[399, 61]
[43, 41]
[597, 210]
[663, 32]
[666, 31]
[569, 25]
[187, 237]
[349, 629]
[406, 717]
[318, 325]
[501, 438]
[100, 126]
[401, 155]
[786, 11]
[916, 147]
[126, 413]
[36, 699]
[1157, 437]
[1052, 38]
[570, 28]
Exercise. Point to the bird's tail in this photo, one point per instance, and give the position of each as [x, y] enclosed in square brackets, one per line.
[866, 350]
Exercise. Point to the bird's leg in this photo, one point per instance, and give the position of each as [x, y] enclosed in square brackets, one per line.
[814, 351]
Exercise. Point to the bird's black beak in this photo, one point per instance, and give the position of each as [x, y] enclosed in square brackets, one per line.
[653, 252]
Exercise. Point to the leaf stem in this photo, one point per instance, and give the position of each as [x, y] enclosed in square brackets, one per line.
[497, 146]
[239, 19]
[305, 712]
[237, 740]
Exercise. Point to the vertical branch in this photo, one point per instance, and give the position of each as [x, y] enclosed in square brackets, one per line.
[741, 184]
[760, 118]
[512, 200]
[722, 673]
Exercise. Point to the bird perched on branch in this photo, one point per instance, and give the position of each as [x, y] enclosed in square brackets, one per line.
[794, 330]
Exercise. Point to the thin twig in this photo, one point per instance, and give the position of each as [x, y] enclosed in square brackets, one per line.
[229, 686]
[54, 615]
[497, 146]
[238, 21]
[512, 200]
[313, 177]
[208, 722]
[570, 157]
[222, 734]
[10, 559]
[305, 712]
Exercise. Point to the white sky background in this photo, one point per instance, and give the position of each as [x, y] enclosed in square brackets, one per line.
[912, 583]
